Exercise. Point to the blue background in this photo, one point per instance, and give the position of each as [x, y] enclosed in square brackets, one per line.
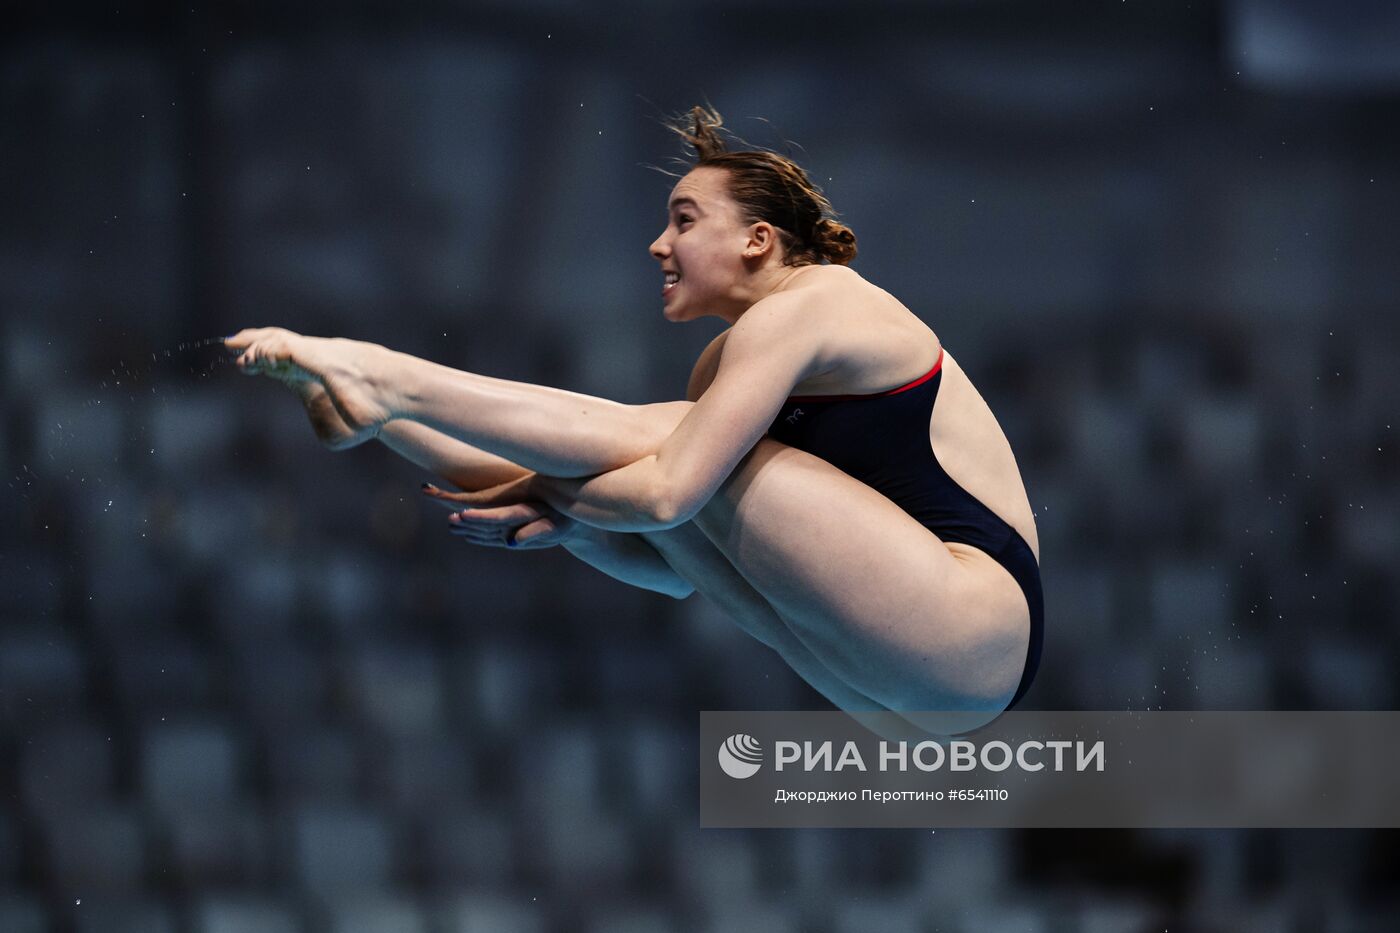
[247, 686]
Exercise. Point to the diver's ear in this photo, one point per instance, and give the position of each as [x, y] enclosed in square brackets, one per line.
[763, 238]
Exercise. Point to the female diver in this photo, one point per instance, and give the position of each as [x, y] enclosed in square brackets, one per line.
[833, 482]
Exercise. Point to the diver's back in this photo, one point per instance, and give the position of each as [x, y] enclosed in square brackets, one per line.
[879, 344]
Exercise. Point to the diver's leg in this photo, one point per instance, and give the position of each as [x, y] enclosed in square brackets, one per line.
[875, 595]
[551, 431]
[464, 466]
[694, 557]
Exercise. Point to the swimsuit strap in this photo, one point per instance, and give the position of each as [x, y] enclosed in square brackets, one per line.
[937, 365]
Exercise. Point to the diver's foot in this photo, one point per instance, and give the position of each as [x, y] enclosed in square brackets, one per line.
[351, 372]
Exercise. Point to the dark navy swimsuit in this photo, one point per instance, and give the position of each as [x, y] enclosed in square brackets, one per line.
[882, 440]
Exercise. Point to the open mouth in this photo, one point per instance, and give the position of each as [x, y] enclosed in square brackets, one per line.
[672, 278]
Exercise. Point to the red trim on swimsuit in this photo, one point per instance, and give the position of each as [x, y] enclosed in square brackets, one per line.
[937, 365]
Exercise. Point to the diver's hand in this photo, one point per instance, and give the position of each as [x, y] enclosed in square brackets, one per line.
[520, 524]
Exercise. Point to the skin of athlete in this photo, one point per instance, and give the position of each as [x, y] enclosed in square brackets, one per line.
[867, 605]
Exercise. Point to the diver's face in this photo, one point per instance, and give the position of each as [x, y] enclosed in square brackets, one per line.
[701, 249]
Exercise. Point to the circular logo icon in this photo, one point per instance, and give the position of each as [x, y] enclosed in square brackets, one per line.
[740, 756]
